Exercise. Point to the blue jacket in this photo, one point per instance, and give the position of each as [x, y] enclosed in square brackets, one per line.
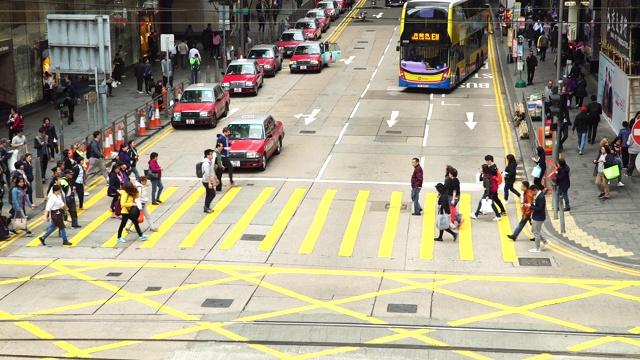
[225, 144]
[17, 196]
[624, 136]
[28, 170]
[124, 158]
[539, 207]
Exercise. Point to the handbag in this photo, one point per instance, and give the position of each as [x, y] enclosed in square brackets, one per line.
[443, 221]
[118, 207]
[19, 223]
[611, 172]
[537, 172]
[151, 175]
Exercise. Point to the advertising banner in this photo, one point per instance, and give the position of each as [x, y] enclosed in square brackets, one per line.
[612, 92]
[618, 18]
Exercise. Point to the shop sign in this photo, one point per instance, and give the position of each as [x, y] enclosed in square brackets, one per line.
[570, 3]
[585, 3]
[617, 25]
[6, 46]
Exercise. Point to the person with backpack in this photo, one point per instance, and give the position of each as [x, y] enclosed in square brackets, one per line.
[543, 45]
[594, 110]
[527, 199]
[209, 179]
[493, 171]
[490, 185]
[510, 177]
[195, 67]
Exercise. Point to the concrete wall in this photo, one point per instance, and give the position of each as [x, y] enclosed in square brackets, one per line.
[198, 13]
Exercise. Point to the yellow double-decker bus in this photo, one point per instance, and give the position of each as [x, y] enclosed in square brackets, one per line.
[442, 42]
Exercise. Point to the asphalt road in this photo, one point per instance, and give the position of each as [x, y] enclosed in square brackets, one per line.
[319, 256]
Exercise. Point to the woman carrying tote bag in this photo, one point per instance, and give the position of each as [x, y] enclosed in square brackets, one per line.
[444, 213]
[54, 212]
[20, 198]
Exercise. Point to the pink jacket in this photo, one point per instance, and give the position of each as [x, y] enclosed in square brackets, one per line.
[153, 166]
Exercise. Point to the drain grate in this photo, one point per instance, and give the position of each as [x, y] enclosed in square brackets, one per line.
[114, 274]
[369, 30]
[402, 308]
[402, 207]
[252, 237]
[359, 68]
[363, 42]
[217, 303]
[249, 184]
[534, 261]
[393, 132]
[358, 48]
[154, 288]
[307, 131]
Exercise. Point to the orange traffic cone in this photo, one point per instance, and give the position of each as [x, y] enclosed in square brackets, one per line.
[156, 116]
[142, 128]
[164, 100]
[107, 145]
[152, 116]
[119, 138]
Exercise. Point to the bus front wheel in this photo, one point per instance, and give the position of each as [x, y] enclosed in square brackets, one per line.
[456, 79]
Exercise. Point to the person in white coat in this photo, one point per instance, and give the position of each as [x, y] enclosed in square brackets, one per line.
[142, 201]
[634, 150]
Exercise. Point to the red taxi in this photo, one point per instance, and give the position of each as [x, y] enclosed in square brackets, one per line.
[313, 56]
[330, 7]
[243, 76]
[322, 17]
[268, 56]
[311, 28]
[201, 104]
[254, 139]
[289, 40]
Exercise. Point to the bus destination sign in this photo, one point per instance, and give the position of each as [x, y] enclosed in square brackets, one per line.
[425, 37]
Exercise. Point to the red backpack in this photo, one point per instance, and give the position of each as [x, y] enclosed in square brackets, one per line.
[494, 184]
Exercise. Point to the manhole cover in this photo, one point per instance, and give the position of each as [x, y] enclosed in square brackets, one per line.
[307, 131]
[252, 237]
[217, 303]
[154, 288]
[114, 274]
[402, 308]
[393, 132]
[534, 261]
[402, 207]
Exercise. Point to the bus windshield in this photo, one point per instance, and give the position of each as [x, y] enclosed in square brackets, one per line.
[420, 58]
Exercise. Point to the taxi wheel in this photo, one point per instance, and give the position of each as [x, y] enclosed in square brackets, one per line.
[264, 162]
[279, 148]
[226, 110]
[214, 121]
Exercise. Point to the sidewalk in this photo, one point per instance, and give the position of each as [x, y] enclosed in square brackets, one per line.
[604, 229]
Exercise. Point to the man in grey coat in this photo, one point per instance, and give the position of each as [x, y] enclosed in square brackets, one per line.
[167, 72]
[94, 153]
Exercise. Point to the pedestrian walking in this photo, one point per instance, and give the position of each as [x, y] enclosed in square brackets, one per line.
[546, 93]
[543, 45]
[41, 143]
[215, 50]
[634, 149]
[94, 153]
[527, 200]
[19, 200]
[15, 121]
[493, 171]
[603, 161]
[130, 211]
[538, 216]
[148, 76]
[541, 163]
[443, 208]
[195, 68]
[581, 123]
[115, 185]
[156, 184]
[209, 179]
[138, 71]
[594, 110]
[207, 35]
[183, 50]
[28, 171]
[416, 185]
[569, 89]
[118, 68]
[123, 157]
[67, 183]
[189, 34]
[73, 96]
[509, 175]
[490, 185]
[54, 215]
[532, 64]
[624, 135]
[143, 202]
[79, 177]
[19, 144]
[217, 161]
[581, 90]
[226, 163]
[616, 151]
[133, 156]
[52, 136]
[562, 179]
[167, 72]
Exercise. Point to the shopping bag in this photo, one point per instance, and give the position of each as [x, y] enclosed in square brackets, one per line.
[443, 221]
[486, 206]
[140, 218]
[537, 172]
[611, 172]
[19, 223]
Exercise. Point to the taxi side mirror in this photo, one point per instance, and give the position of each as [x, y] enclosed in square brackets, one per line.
[269, 136]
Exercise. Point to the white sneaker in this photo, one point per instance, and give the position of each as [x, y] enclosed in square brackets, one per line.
[545, 244]
[506, 202]
[521, 198]
[473, 216]
[86, 193]
[497, 218]
[620, 184]
[534, 250]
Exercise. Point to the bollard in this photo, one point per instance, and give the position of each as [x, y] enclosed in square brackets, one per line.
[208, 73]
[38, 178]
[126, 129]
[216, 70]
[560, 210]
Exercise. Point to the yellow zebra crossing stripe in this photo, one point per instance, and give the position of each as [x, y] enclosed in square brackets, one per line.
[319, 219]
[428, 225]
[245, 220]
[283, 219]
[350, 235]
[171, 220]
[507, 245]
[113, 241]
[200, 228]
[465, 244]
[391, 225]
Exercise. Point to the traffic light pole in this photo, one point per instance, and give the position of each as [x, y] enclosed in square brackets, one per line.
[61, 127]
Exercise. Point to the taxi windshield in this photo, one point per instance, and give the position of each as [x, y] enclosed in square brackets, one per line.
[197, 96]
[292, 36]
[322, 5]
[240, 69]
[261, 54]
[307, 50]
[246, 132]
[315, 14]
[305, 25]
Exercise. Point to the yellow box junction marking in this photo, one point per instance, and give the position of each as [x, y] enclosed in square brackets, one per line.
[507, 245]
[113, 241]
[245, 220]
[171, 220]
[428, 224]
[319, 219]
[200, 228]
[350, 235]
[391, 225]
[465, 244]
[282, 221]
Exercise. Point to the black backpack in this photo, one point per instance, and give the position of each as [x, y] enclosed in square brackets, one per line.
[199, 172]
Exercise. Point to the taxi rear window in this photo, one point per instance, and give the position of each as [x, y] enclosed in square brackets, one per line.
[241, 69]
[261, 54]
[197, 96]
[292, 36]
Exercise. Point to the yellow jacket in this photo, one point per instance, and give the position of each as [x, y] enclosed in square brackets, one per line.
[127, 201]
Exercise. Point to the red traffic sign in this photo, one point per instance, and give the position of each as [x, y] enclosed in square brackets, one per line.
[635, 132]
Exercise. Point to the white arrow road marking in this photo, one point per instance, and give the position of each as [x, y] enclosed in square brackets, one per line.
[349, 60]
[378, 16]
[232, 111]
[470, 123]
[426, 135]
[430, 112]
[394, 116]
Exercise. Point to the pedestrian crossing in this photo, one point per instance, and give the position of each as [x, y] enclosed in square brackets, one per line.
[330, 219]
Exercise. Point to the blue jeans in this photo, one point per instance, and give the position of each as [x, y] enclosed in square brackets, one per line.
[520, 226]
[135, 171]
[51, 228]
[565, 197]
[508, 186]
[415, 196]
[582, 139]
[194, 76]
[156, 185]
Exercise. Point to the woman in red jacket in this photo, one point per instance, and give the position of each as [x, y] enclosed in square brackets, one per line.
[155, 175]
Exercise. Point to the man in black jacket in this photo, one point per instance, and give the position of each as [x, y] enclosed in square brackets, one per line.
[493, 170]
[594, 110]
[138, 71]
[532, 64]
[581, 123]
[538, 216]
